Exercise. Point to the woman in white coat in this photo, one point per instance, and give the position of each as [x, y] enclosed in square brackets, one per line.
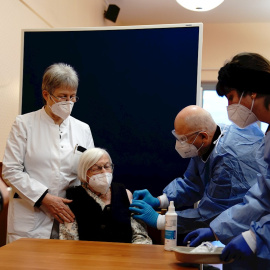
[39, 155]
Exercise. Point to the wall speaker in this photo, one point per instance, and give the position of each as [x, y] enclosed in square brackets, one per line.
[112, 13]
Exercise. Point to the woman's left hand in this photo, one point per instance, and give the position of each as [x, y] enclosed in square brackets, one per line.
[58, 208]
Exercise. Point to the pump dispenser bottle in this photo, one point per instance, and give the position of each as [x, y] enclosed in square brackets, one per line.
[170, 228]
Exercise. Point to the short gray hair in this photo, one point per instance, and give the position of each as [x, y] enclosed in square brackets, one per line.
[89, 158]
[59, 75]
[202, 121]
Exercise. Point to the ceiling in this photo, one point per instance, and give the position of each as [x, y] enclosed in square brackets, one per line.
[140, 12]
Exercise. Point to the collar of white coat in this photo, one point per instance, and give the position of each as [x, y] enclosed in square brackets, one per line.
[50, 121]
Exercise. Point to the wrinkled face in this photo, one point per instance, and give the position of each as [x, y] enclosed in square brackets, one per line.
[103, 165]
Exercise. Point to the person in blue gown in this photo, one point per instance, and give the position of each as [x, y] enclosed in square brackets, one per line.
[245, 227]
[215, 175]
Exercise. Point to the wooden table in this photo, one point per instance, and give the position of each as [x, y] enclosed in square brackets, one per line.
[27, 253]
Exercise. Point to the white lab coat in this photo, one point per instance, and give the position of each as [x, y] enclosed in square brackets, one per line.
[39, 156]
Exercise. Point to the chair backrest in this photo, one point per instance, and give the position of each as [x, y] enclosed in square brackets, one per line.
[3, 213]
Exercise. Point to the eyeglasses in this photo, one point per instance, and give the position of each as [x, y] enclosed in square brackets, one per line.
[97, 168]
[183, 138]
[65, 98]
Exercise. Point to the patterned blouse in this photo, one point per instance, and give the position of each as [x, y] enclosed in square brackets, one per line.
[69, 231]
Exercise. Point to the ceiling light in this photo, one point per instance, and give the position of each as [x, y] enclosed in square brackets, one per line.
[199, 5]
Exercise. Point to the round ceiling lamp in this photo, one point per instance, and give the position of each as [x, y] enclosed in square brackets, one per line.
[199, 5]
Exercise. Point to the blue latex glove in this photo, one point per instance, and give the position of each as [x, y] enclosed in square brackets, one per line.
[146, 196]
[236, 249]
[144, 212]
[198, 236]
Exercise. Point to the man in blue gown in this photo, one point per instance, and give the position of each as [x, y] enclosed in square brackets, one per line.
[216, 175]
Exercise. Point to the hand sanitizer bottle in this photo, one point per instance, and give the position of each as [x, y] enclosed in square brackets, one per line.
[170, 228]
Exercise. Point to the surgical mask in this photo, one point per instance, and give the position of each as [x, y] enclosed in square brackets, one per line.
[100, 182]
[241, 115]
[62, 109]
[187, 150]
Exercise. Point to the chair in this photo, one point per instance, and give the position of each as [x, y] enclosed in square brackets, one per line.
[4, 214]
[3, 222]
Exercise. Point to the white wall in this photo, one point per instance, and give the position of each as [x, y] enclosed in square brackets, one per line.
[16, 15]
[223, 41]
[69, 13]
[220, 42]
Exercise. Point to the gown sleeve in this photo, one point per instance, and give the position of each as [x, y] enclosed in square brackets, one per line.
[187, 190]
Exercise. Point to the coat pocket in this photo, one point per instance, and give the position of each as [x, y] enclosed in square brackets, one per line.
[21, 217]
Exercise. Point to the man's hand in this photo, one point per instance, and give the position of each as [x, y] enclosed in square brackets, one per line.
[147, 197]
[144, 212]
[198, 236]
[58, 208]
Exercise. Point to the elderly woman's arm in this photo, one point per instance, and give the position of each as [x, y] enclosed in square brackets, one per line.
[139, 233]
[68, 231]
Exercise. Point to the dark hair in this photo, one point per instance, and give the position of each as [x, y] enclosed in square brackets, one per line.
[246, 72]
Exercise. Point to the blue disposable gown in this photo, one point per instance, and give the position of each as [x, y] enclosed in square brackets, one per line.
[222, 180]
[253, 213]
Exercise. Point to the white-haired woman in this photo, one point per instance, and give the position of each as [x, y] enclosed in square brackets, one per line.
[39, 156]
[101, 207]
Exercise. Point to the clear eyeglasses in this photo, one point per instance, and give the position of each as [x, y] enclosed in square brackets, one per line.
[98, 169]
[65, 98]
[183, 138]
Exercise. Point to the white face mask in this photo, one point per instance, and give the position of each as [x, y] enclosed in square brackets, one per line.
[241, 115]
[187, 150]
[62, 109]
[100, 183]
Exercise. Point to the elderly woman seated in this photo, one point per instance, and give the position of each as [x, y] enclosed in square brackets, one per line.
[101, 207]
